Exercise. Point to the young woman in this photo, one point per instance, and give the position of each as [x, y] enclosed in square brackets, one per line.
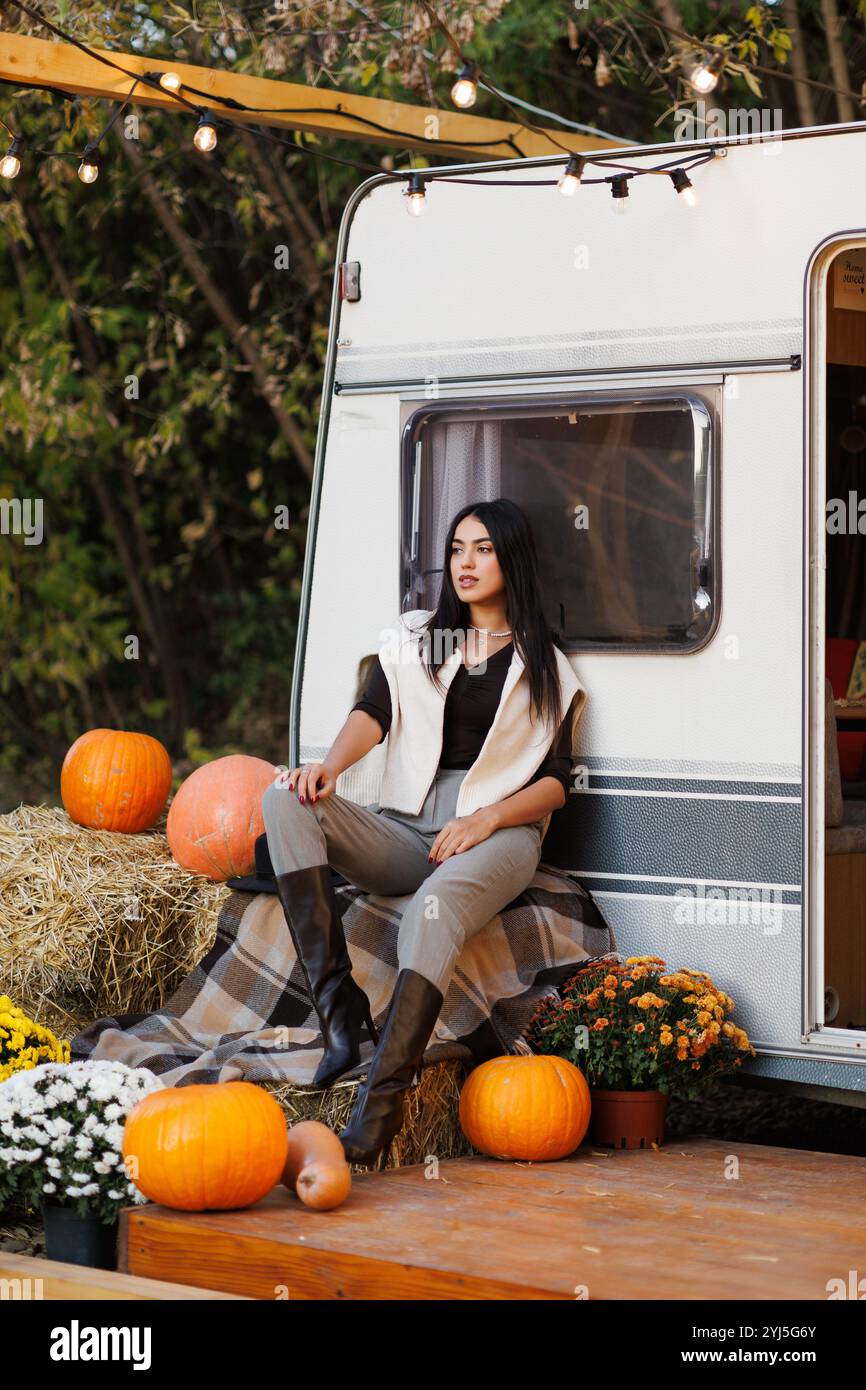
[479, 705]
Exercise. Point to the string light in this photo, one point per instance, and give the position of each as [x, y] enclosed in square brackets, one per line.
[91, 161]
[465, 89]
[205, 137]
[683, 185]
[704, 77]
[205, 140]
[416, 196]
[10, 164]
[619, 190]
[570, 181]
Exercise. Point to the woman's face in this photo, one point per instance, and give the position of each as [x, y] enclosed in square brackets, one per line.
[475, 571]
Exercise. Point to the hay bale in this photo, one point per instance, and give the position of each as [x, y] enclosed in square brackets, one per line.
[431, 1126]
[95, 922]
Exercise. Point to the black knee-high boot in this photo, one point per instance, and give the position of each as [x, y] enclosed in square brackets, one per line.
[378, 1112]
[310, 908]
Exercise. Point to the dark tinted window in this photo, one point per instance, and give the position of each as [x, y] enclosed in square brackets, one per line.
[619, 498]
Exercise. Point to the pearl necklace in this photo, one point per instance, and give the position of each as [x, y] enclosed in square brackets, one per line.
[487, 632]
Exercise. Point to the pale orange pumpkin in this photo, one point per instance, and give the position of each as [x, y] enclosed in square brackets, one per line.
[111, 780]
[206, 1148]
[532, 1107]
[316, 1169]
[216, 816]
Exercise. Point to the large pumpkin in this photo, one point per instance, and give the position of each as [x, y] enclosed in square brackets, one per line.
[206, 1148]
[216, 816]
[112, 780]
[525, 1106]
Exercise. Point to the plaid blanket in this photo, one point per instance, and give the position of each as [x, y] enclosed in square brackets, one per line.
[244, 1012]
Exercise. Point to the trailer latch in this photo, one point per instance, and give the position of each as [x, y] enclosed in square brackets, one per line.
[350, 280]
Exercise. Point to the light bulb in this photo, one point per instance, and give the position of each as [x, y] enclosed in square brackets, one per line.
[416, 198]
[570, 180]
[205, 137]
[88, 169]
[619, 191]
[683, 185]
[704, 77]
[10, 164]
[170, 81]
[465, 89]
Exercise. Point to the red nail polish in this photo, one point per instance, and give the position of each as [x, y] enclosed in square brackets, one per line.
[302, 801]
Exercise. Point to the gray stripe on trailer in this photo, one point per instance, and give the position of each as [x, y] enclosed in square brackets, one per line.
[732, 839]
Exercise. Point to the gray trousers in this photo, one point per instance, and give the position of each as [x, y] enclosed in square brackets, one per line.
[385, 852]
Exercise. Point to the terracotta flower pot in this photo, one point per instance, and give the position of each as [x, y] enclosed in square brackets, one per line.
[627, 1119]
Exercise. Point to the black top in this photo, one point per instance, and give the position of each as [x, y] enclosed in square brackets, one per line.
[472, 700]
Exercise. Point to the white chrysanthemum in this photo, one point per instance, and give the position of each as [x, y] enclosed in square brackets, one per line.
[114, 1135]
[49, 1187]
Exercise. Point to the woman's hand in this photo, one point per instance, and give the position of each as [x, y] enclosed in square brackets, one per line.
[462, 833]
[313, 780]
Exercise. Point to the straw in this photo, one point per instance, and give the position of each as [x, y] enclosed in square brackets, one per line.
[95, 922]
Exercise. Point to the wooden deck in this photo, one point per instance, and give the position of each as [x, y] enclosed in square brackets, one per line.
[640, 1224]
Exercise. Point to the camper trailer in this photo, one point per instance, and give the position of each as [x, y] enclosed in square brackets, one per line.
[677, 397]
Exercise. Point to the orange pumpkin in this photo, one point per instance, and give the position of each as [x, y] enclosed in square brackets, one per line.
[216, 816]
[206, 1148]
[112, 780]
[532, 1107]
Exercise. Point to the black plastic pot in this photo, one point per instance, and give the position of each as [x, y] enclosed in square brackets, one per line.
[78, 1240]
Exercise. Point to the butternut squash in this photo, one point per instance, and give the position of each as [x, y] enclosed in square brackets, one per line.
[316, 1169]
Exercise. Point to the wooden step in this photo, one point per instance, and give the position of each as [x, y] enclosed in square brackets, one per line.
[703, 1218]
[29, 1279]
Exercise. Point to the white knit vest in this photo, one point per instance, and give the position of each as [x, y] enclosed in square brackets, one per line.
[513, 750]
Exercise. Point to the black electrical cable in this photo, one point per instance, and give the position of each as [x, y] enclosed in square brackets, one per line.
[152, 79]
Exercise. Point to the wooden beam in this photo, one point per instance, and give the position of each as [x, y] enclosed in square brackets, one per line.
[43, 63]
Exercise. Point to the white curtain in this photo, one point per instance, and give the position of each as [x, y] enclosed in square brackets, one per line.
[462, 464]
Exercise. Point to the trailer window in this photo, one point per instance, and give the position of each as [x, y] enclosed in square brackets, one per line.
[619, 496]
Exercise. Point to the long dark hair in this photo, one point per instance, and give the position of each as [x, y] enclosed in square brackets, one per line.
[509, 528]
